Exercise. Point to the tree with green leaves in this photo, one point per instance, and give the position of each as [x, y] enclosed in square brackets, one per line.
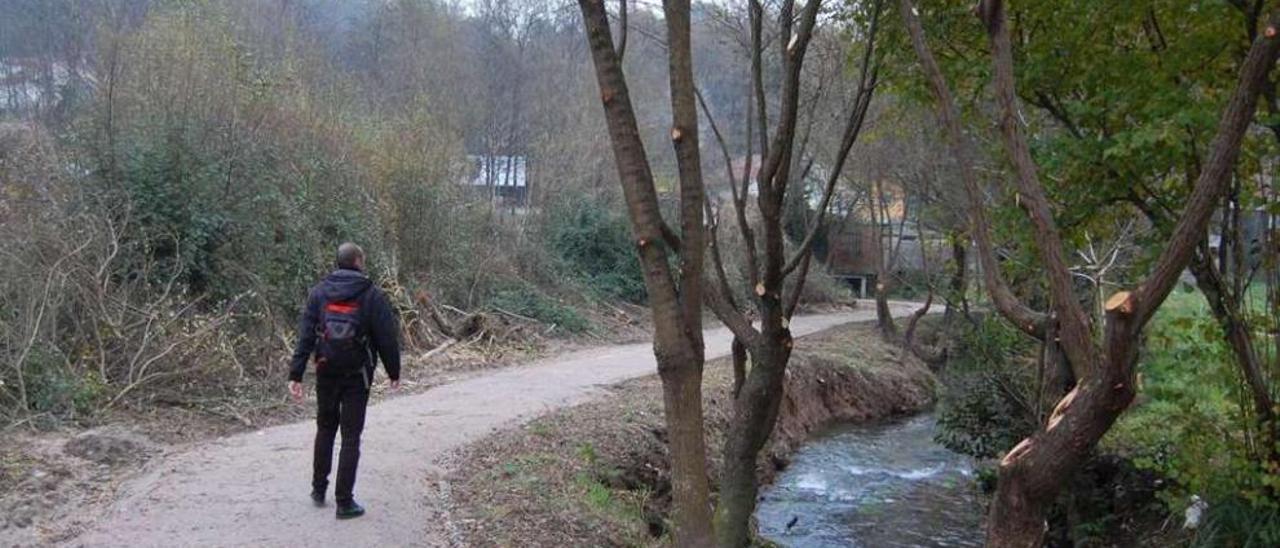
[1033, 472]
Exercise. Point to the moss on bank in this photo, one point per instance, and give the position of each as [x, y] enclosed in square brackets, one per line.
[597, 474]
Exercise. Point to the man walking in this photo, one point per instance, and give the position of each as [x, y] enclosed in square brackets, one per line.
[347, 324]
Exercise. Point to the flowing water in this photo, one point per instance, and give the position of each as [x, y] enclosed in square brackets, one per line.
[879, 485]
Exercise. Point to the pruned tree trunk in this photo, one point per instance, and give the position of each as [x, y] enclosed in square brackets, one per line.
[756, 405]
[676, 304]
[958, 300]
[1033, 473]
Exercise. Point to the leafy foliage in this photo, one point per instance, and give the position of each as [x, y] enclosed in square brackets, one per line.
[530, 302]
[1194, 427]
[593, 242]
[986, 406]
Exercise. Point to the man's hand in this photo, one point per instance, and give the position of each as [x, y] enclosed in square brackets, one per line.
[395, 385]
[295, 389]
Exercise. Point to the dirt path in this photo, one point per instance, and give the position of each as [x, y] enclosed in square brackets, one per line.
[251, 489]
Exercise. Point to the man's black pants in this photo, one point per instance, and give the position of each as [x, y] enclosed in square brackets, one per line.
[342, 403]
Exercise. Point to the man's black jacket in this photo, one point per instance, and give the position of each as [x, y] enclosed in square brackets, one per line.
[343, 285]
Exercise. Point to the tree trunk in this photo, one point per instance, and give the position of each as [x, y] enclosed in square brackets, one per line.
[682, 403]
[1033, 473]
[676, 307]
[755, 412]
[739, 365]
[958, 301]
[1056, 378]
[884, 315]
[1225, 306]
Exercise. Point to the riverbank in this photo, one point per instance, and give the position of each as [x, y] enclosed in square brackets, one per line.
[596, 474]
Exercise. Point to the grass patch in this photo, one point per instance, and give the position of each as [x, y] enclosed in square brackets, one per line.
[1193, 425]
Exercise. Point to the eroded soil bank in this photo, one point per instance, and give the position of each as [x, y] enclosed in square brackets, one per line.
[597, 474]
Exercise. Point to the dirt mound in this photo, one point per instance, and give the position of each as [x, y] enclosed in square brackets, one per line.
[50, 478]
[110, 446]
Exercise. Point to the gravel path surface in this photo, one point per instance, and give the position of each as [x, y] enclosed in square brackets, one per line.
[251, 489]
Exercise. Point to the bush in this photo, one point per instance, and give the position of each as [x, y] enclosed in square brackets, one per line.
[1235, 521]
[593, 242]
[530, 302]
[986, 406]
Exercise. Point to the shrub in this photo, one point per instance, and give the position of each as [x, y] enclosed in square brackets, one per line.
[1193, 425]
[594, 243]
[1235, 521]
[532, 303]
[986, 407]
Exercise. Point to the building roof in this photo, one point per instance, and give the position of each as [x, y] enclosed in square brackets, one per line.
[497, 170]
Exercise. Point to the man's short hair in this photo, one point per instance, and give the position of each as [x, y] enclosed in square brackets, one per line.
[349, 255]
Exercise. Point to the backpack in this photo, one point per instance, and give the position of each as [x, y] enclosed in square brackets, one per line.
[342, 340]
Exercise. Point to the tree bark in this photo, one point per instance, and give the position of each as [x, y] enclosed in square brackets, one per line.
[676, 306]
[755, 412]
[958, 301]
[739, 366]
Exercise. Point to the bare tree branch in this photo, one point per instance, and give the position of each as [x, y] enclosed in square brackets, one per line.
[866, 88]
[622, 29]
[739, 200]
[756, 15]
[1073, 322]
[1023, 317]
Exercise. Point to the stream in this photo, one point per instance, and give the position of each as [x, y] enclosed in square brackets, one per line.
[876, 485]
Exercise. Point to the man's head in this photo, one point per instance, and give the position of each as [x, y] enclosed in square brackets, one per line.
[350, 256]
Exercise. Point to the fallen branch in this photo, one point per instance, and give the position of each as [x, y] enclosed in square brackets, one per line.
[514, 315]
[444, 346]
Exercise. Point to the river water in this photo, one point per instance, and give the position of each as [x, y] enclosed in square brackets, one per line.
[874, 485]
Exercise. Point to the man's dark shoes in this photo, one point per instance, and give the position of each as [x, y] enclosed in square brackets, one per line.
[349, 510]
[317, 498]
